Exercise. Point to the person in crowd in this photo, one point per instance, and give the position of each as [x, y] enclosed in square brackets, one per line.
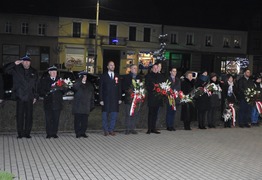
[160, 121]
[214, 112]
[110, 98]
[25, 79]
[187, 109]
[254, 111]
[1, 88]
[53, 101]
[202, 102]
[128, 88]
[229, 95]
[170, 112]
[154, 102]
[244, 108]
[83, 104]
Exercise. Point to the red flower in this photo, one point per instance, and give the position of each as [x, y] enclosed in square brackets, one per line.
[158, 90]
[164, 92]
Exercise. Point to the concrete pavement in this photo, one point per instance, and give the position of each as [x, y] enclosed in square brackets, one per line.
[219, 153]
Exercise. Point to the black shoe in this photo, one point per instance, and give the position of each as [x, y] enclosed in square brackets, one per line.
[148, 132]
[188, 128]
[173, 129]
[247, 125]
[78, 136]
[134, 132]
[127, 132]
[19, 137]
[169, 129]
[48, 137]
[155, 131]
[241, 125]
[84, 135]
[55, 136]
[27, 136]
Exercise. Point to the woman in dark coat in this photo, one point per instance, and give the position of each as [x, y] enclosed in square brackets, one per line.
[214, 112]
[83, 104]
[229, 94]
[187, 109]
[202, 102]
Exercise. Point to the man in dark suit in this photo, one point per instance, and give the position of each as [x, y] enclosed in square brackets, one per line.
[1, 88]
[170, 112]
[25, 80]
[110, 98]
[154, 101]
[128, 88]
[53, 101]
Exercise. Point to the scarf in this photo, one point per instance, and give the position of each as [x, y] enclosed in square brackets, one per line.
[230, 88]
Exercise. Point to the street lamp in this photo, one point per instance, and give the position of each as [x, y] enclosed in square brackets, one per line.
[96, 37]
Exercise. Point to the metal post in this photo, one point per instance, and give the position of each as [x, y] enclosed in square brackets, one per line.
[96, 37]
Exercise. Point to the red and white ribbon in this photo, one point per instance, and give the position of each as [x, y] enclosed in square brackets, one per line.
[259, 106]
[233, 114]
[133, 105]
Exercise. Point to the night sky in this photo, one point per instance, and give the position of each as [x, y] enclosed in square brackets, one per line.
[222, 14]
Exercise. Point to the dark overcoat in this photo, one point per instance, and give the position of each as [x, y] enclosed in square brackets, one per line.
[24, 81]
[84, 100]
[127, 86]
[53, 100]
[110, 92]
[150, 80]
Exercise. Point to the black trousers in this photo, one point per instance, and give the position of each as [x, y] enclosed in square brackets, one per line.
[80, 123]
[52, 121]
[201, 117]
[24, 117]
[152, 117]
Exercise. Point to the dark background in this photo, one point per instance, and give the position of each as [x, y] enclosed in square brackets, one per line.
[221, 14]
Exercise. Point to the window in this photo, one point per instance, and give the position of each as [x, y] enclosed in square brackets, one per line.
[237, 43]
[208, 40]
[256, 44]
[41, 29]
[76, 29]
[132, 33]
[24, 28]
[147, 34]
[112, 34]
[226, 42]
[189, 39]
[92, 30]
[8, 27]
[173, 38]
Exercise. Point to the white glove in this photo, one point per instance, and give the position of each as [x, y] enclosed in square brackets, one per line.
[119, 102]
[102, 103]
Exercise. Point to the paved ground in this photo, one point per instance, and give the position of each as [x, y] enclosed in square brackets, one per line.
[198, 154]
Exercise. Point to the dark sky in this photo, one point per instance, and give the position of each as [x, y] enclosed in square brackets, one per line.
[225, 14]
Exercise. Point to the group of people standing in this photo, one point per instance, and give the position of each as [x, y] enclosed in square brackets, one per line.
[207, 109]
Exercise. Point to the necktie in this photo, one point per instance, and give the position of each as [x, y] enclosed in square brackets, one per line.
[111, 75]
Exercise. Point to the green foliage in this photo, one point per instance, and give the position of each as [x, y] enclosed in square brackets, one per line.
[6, 175]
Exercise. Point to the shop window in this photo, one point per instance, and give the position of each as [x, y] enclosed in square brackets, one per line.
[146, 60]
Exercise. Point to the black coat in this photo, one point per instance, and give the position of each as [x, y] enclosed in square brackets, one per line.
[84, 100]
[243, 84]
[225, 96]
[127, 86]
[187, 109]
[150, 80]
[53, 100]
[202, 102]
[24, 81]
[110, 92]
[1, 87]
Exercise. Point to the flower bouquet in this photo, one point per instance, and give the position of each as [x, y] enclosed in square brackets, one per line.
[165, 90]
[138, 95]
[208, 89]
[229, 113]
[184, 98]
[61, 84]
[253, 97]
